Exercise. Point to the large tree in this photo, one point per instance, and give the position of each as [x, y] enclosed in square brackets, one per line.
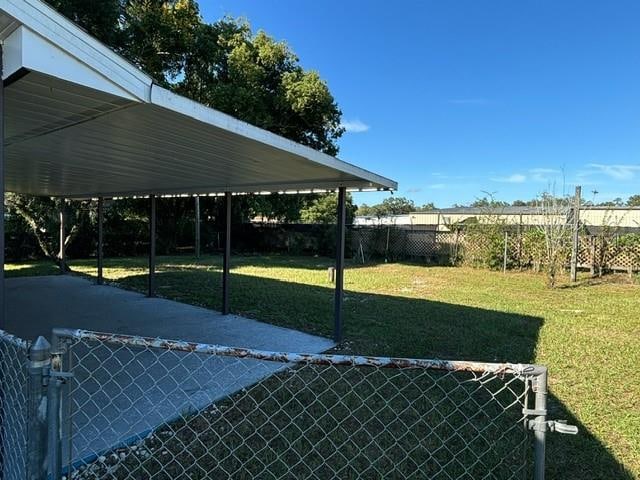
[223, 65]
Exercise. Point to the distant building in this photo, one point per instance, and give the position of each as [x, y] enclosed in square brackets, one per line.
[624, 218]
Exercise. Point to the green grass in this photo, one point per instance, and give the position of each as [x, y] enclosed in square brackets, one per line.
[588, 335]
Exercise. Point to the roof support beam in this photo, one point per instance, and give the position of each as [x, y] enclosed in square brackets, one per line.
[340, 246]
[226, 259]
[152, 246]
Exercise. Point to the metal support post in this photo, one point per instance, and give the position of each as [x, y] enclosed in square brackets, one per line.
[340, 246]
[39, 365]
[226, 259]
[540, 420]
[152, 246]
[62, 257]
[54, 415]
[2, 310]
[100, 279]
[197, 208]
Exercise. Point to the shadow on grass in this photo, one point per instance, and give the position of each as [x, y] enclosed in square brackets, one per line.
[398, 326]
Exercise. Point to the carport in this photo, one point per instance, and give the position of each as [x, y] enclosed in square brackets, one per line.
[79, 121]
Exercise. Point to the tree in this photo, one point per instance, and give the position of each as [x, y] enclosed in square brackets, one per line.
[488, 202]
[365, 210]
[633, 201]
[616, 202]
[427, 207]
[324, 209]
[556, 231]
[223, 65]
[259, 80]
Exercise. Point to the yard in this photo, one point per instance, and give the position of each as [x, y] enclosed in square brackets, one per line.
[588, 335]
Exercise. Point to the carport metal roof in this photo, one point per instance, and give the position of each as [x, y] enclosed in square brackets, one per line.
[80, 121]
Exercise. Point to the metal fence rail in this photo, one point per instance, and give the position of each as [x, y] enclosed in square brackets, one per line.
[14, 377]
[148, 408]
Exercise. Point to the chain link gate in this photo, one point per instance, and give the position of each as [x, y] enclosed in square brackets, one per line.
[139, 407]
[106, 406]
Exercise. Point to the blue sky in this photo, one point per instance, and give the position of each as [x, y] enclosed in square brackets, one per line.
[453, 98]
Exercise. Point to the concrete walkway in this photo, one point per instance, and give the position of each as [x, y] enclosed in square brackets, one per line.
[120, 395]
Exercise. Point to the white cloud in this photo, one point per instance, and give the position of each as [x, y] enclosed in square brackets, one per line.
[414, 190]
[544, 174]
[515, 178]
[437, 186]
[617, 172]
[354, 126]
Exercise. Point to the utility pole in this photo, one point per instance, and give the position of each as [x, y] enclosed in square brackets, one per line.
[574, 232]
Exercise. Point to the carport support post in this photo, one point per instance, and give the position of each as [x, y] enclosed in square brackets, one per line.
[100, 239]
[340, 241]
[152, 246]
[197, 208]
[226, 259]
[2, 310]
[61, 253]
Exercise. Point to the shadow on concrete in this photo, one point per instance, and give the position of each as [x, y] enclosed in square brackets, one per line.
[399, 326]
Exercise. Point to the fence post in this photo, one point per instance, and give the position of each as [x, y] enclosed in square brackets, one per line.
[54, 413]
[504, 258]
[540, 422]
[592, 241]
[574, 242]
[39, 364]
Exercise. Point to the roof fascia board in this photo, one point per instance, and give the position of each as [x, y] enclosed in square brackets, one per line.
[28, 50]
[68, 37]
[162, 97]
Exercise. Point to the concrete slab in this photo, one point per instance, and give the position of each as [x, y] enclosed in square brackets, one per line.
[120, 395]
[35, 305]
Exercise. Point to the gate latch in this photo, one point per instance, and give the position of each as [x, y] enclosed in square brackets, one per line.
[558, 426]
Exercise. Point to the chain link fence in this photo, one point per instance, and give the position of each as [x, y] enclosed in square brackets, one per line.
[14, 378]
[148, 408]
[493, 247]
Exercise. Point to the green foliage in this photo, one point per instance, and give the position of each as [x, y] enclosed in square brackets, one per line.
[483, 245]
[324, 210]
[633, 201]
[630, 242]
[259, 80]
[534, 246]
[488, 202]
[427, 207]
[392, 206]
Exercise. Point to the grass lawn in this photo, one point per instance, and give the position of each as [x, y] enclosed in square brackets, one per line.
[588, 335]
